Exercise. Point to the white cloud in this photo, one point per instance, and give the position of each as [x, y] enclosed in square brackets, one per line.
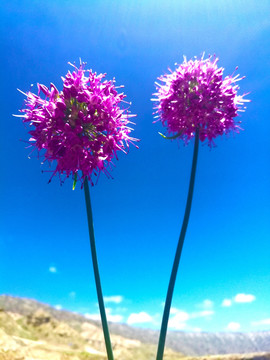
[139, 318]
[239, 298]
[179, 318]
[58, 307]
[115, 318]
[206, 304]
[196, 329]
[117, 299]
[226, 303]
[92, 316]
[110, 317]
[197, 314]
[178, 321]
[261, 322]
[174, 310]
[244, 298]
[204, 313]
[52, 269]
[176, 325]
[233, 326]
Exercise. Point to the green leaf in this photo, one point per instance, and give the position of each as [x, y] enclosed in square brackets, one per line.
[75, 181]
[171, 137]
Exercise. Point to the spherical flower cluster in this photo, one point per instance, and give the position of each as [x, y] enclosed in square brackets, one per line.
[195, 97]
[82, 127]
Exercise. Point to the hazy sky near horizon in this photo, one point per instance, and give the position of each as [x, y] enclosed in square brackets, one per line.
[224, 274]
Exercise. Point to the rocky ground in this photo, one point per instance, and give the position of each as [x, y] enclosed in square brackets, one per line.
[40, 336]
[33, 331]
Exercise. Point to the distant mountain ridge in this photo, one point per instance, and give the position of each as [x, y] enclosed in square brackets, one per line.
[190, 344]
[201, 343]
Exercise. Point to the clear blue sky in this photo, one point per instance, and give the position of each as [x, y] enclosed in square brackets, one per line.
[44, 245]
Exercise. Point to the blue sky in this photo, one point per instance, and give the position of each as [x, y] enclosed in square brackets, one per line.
[224, 274]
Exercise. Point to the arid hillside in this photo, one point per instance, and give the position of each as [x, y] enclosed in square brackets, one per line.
[29, 330]
[32, 330]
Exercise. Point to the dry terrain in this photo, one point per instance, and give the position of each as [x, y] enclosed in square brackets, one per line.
[30, 330]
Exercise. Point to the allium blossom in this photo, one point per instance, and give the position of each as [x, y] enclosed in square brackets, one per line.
[81, 127]
[196, 97]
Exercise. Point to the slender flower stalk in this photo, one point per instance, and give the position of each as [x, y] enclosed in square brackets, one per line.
[96, 271]
[166, 313]
[194, 101]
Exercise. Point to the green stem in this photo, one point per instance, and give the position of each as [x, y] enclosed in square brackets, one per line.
[166, 313]
[96, 271]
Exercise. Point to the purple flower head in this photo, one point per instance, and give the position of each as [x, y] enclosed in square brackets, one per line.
[82, 127]
[195, 96]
